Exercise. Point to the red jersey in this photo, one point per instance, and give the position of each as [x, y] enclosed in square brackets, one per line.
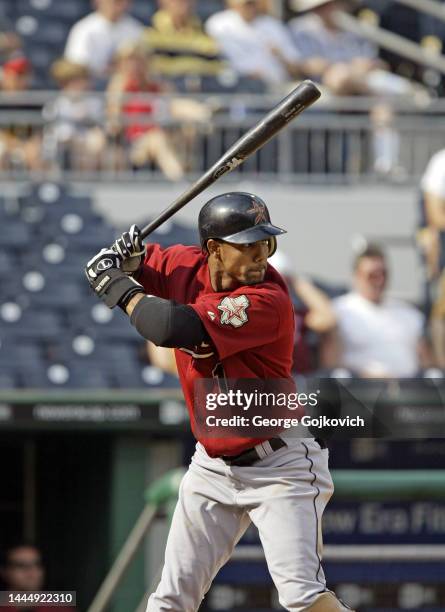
[251, 328]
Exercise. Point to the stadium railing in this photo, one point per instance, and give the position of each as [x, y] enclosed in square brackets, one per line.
[345, 140]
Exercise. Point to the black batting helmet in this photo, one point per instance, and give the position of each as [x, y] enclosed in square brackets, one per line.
[237, 217]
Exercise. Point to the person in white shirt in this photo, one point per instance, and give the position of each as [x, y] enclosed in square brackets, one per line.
[94, 40]
[431, 241]
[376, 336]
[256, 45]
[347, 64]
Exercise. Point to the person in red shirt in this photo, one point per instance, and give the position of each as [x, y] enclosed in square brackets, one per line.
[228, 315]
[132, 111]
[22, 570]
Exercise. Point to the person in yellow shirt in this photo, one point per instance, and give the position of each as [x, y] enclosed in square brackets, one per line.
[178, 44]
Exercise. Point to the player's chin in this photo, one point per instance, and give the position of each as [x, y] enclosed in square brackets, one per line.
[253, 277]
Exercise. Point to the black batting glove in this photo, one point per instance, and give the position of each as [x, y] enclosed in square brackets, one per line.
[108, 281]
[130, 249]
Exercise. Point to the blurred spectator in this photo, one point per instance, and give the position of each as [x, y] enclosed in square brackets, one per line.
[431, 240]
[257, 45]
[10, 41]
[22, 570]
[147, 141]
[376, 336]
[313, 313]
[178, 43]
[20, 141]
[163, 358]
[94, 40]
[16, 75]
[345, 63]
[75, 132]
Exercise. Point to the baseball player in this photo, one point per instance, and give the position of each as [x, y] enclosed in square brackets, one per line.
[227, 313]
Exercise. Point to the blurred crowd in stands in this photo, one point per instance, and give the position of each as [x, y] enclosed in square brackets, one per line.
[128, 48]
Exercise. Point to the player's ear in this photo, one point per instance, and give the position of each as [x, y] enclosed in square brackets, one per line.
[213, 247]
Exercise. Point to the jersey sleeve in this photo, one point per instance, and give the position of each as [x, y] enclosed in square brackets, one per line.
[245, 319]
[157, 268]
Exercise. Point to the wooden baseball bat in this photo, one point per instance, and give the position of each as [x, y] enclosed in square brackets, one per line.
[292, 105]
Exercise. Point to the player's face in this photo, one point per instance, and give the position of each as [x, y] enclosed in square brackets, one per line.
[371, 278]
[113, 9]
[243, 264]
[23, 570]
[248, 9]
[179, 9]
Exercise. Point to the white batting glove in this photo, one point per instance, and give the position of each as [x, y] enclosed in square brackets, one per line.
[130, 249]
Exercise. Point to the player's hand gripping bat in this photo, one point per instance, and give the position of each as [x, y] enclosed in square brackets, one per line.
[292, 105]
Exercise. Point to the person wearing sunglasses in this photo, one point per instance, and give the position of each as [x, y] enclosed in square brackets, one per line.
[376, 336]
[22, 570]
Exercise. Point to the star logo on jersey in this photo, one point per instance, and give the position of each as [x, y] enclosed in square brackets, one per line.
[259, 210]
[233, 310]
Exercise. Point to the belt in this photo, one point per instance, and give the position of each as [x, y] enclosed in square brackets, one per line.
[258, 452]
[252, 455]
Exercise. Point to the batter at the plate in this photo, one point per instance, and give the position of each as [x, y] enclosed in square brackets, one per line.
[228, 314]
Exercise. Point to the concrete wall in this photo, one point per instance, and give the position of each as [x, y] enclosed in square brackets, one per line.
[323, 222]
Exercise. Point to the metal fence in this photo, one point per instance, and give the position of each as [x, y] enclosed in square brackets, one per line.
[48, 135]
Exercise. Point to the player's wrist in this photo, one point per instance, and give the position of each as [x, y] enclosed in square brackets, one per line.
[115, 288]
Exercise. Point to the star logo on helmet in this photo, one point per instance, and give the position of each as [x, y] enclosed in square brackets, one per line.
[259, 211]
[233, 310]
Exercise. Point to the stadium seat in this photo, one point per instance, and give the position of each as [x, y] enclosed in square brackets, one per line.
[68, 376]
[50, 292]
[17, 234]
[96, 319]
[47, 192]
[8, 378]
[70, 11]
[90, 240]
[8, 264]
[144, 378]
[27, 324]
[16, 354]
[7, 9]
[85, 349]
[54, 331]
[38, 27]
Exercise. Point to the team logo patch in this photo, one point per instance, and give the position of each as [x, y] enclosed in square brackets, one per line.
[233, 310]
[259, 210]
